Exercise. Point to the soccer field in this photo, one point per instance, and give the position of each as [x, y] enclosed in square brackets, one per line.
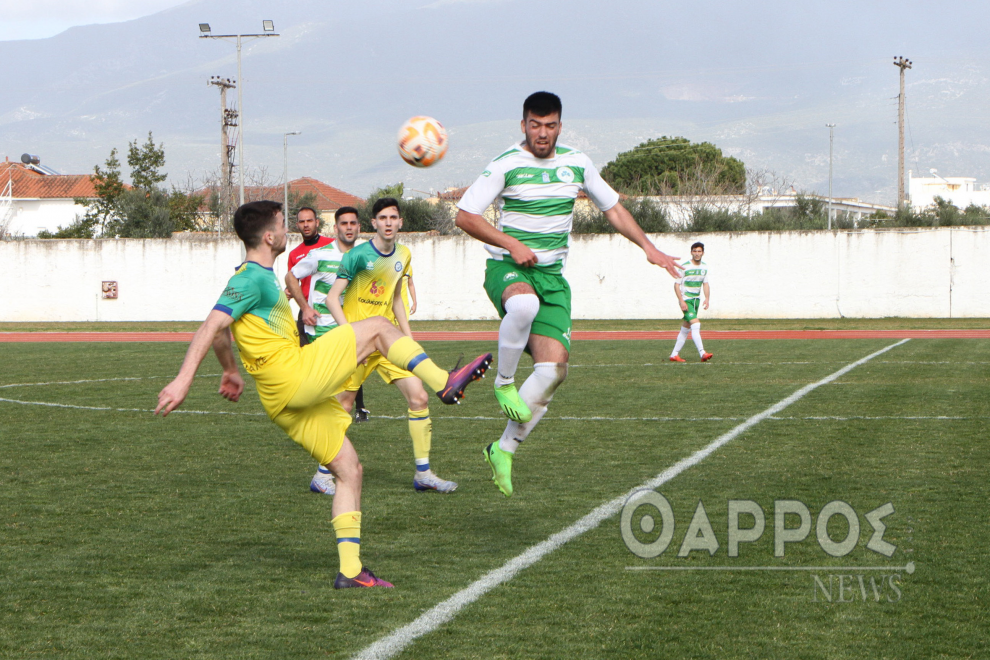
[126, 535]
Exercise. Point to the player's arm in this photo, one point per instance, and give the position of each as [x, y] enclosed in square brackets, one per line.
[294, 288]
[173, 394]
[708, 294]
[680, 298]
[620, 218]
[231, 382]
[476, 226]
[470, 220]
[333, 300]
[400, 315]
[412, 295]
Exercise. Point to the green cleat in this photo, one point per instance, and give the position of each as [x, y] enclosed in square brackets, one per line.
[501, 464]
[513, 407]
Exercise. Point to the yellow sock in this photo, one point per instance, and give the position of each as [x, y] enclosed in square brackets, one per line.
[421, 432]
[409, 355]
[348, 529]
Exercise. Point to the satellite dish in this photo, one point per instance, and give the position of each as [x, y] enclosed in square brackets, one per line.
[30, 159]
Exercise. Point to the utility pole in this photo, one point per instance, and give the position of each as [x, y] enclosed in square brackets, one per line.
[901, 63]
[831, 134]
[269, 31]
[228, 145]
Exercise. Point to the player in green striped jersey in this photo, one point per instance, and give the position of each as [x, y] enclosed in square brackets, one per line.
[535, 183]
[688, 290]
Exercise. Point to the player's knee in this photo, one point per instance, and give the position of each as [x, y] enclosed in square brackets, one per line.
[553, 373]
[418, 400]
[523, 306]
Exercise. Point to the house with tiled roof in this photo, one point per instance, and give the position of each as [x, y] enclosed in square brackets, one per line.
[328, 198]
[33, 197]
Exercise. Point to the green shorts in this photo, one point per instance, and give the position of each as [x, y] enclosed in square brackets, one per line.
[691, 313]
[554, 318]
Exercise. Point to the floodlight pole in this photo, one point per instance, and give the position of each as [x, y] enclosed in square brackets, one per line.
[285, 172]
[240, 94]
[831, 134]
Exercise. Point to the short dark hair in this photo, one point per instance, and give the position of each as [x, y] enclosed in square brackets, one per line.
[698, 244]
[344, 210]
[384, 203]
[541, 104]
[253, 219]
[307, 208]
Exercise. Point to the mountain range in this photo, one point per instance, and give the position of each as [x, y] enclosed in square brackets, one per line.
[761, 82]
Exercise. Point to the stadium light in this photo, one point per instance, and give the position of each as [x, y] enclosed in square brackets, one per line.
[268, 26]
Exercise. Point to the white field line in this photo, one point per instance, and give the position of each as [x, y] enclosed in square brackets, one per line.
[722, 363]
[98, 380]
[402, 418]
[394, 643]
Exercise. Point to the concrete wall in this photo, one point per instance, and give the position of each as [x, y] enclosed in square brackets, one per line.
[939, 272]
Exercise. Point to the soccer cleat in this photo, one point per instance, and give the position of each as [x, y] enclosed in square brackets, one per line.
[426, 480]
[323, 483]
[501, 464]
[362, 415]
[458, 379]
[513, 407]
[677, 358]
[363, 579]
[706, 357]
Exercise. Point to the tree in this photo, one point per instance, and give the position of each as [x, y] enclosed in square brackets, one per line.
[675, 166]
[146, 162]
[101, 211]
[145, 210]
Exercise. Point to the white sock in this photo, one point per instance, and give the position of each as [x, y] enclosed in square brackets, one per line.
[696, 336]
[537, 392]
[513, 334]
[681, 338]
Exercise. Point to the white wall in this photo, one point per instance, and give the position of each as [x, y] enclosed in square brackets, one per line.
[32, 215]
[937, 272]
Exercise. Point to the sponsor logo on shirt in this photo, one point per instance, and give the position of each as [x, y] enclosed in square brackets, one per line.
[524, 176]
[232, 293]
[376, 289]
[510, 276]
[565, 174]
[546, 177]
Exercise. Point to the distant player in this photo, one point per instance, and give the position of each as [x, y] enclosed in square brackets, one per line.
[688, 291]
[296, 384]
[536, 182]
[369, 279]
[321, 266]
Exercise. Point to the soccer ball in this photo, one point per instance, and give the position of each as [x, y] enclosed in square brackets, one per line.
[422, 141]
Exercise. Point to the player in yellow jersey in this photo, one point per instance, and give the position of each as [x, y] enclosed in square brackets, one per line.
[297, 384]
[369, 278]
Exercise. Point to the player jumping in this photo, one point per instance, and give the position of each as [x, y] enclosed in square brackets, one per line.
[297, 384]
[688, 290]
[536, 182]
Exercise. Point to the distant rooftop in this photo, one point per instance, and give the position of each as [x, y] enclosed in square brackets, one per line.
[30, 182]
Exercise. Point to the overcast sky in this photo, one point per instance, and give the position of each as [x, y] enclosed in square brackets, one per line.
[37, 19]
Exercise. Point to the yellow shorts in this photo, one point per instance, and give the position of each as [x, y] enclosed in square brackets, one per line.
[376, 362]
[313, 417]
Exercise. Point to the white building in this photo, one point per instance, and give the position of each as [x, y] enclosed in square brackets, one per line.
[960, 190]
[33, 197]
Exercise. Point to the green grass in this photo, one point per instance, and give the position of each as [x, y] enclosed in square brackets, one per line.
[125, 535]
[891, 323]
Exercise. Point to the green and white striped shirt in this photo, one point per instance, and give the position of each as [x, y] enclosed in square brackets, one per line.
[536, 198]
[322, 263]
[693, 279]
